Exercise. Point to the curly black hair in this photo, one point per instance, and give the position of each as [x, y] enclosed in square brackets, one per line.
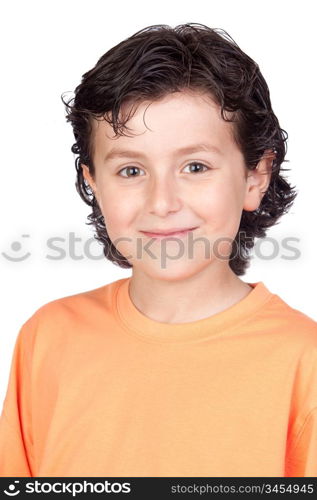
[157, 61]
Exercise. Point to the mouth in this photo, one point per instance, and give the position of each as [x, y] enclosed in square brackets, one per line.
[178, 233]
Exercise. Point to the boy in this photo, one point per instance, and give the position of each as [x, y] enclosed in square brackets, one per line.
[183, 369]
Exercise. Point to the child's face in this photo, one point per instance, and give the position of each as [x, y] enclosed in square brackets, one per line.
[156, 186]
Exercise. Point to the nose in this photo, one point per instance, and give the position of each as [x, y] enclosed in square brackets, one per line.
[163, 196]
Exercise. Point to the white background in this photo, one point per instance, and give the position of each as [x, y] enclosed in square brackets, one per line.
[46, 47]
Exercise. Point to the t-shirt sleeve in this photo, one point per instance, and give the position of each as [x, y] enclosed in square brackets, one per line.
[302, 457]
[16, 450]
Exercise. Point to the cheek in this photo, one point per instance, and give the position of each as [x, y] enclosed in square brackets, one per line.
[219, 204]
[220, 208]
[117, 210]
[118, 213]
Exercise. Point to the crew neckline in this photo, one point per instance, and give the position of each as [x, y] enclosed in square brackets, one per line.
[135, 322]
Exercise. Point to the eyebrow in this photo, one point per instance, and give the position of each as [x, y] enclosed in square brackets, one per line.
[196, 148]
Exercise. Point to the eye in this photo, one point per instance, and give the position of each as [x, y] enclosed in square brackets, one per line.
[130, 170]
[195, 163]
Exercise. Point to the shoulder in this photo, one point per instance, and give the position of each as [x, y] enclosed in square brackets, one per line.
[76, 309]
[289, 321]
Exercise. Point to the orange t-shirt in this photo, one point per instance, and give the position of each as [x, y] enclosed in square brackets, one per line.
[96, 388]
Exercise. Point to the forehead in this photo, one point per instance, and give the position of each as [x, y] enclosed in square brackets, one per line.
[177, 120]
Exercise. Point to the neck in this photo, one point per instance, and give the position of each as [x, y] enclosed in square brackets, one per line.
[189, 299]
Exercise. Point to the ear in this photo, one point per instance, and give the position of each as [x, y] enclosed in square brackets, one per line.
[88, 178]
[258, 181]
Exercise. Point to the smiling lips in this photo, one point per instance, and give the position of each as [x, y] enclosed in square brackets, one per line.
[173, 232]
